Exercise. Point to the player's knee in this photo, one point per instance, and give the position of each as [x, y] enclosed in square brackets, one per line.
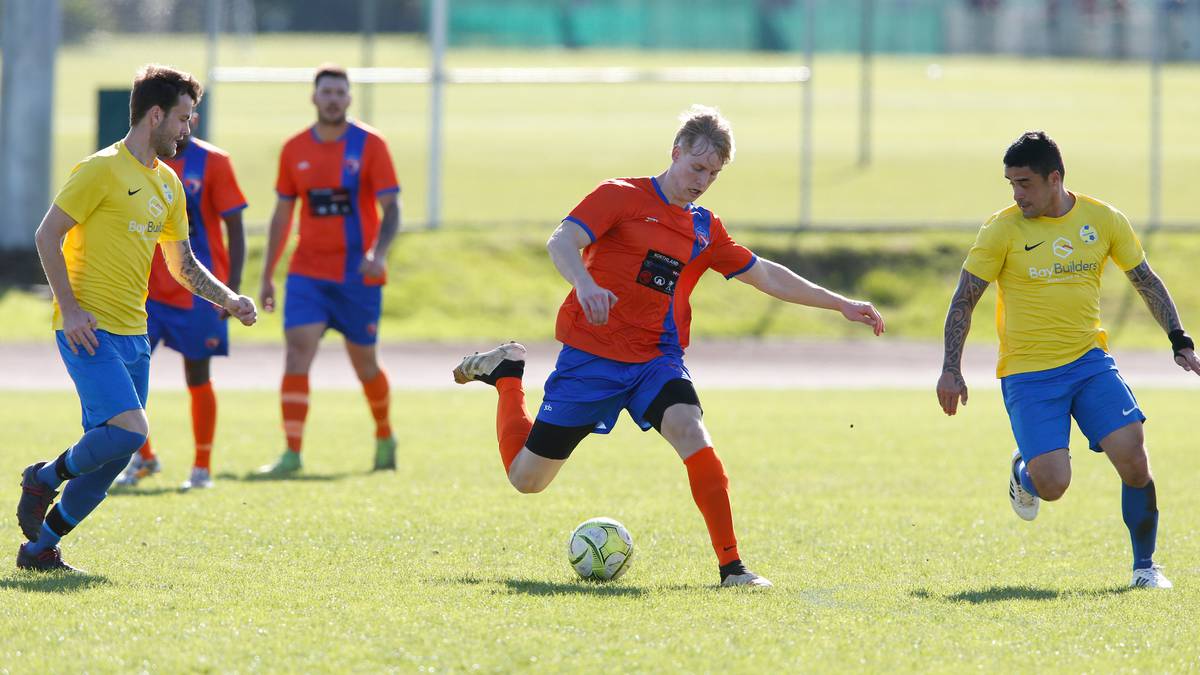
[526, 483]
[1052, 487]
[1135, 471]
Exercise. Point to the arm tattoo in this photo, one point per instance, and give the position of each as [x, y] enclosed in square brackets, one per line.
[958, 319]
[197, 279]
[1155, 294]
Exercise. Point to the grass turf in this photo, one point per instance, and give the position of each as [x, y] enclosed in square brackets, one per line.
[883, 524]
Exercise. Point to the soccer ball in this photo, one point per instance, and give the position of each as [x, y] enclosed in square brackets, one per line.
[600, 549]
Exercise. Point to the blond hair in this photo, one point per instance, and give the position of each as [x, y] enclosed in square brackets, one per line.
[705, 130]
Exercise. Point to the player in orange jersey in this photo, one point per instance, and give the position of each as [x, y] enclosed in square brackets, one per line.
[340, 170]
[625, 325]
[194, 328]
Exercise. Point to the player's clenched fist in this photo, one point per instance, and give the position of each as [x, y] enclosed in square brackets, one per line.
[242, 308]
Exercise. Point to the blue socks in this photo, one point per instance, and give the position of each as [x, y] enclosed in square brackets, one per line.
[1139, 508]
[1026, 481]
[95, 448]
[56, 526]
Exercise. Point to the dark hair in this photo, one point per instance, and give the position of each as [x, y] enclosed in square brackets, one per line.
[330, 70]
[160, 86]
[1037, 151]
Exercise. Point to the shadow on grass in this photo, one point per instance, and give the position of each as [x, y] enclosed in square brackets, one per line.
[581, 588]
[291, 478]
[125, 491]
[52, 582]
[1004, 593]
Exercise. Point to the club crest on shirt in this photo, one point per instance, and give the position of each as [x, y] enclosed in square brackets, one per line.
[191, 186]
[168, 193]
[155, 207]
[351, 165]
[1087, 234]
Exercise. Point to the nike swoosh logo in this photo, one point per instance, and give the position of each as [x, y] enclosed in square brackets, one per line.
[1030, 248]
[1126, 412]
[133, 192]
[730, 548]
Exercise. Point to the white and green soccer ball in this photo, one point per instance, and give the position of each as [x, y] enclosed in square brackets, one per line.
[600, 549]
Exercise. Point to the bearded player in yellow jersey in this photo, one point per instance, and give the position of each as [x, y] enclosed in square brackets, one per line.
[1047, 252]
[96, 243]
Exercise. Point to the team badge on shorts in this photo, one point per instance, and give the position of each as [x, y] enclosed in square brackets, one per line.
[212, 342]
[1087, 233]
[372, 328]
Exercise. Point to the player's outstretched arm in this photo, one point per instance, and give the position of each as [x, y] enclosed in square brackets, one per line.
[79, 325]
[564, 246]
[281, 224]
[951, 387]
[780, 282]
[1162, 308]
[374, 262]
[195, 277]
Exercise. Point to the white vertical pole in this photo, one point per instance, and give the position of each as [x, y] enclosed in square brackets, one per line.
[437, 78]
[864, 90]
[806, 124]
[213, 29]
[1156, 58]
[369, 15]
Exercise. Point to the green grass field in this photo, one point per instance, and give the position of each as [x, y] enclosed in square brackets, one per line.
[883, 524]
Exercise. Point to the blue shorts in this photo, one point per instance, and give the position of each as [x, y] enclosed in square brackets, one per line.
[352, 309]
[197, 333]
[1041, 404]
[115, 379]
[588, 389]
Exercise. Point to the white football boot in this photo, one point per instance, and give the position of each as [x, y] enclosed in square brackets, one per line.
[1150, 577]
[483, 367]
[201, 479]
[748, 579]
[136, 470]
[1024, 504]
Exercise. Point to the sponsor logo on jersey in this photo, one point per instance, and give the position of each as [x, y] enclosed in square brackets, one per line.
[1063, 247]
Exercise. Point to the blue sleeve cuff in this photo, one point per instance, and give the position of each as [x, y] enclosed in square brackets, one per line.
[580, 223]
[284, 195]
[387, 191]
[753, 259]
[234, 209]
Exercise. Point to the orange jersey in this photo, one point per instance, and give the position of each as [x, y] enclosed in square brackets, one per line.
[212, 192]
[338, 184]
[650, 253]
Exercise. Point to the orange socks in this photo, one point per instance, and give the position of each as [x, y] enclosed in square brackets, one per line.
[512, 420]
[145, 451]
[710, 489]
[204, 421]
[293, 398]
[378, 397]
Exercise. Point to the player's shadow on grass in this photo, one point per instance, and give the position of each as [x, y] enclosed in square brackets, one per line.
[123, 491]
[54, 582]
[1003, 593]
[255, 477]
[529, 587]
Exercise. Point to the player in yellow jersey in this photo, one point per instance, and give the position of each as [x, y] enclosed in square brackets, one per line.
[1047, 253]
[96, 243]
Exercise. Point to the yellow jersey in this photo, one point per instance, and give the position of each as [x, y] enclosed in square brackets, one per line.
[121, 209]
[1049, 269]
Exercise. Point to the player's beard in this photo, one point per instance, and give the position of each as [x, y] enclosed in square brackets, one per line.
[329, 120]
[164, 144]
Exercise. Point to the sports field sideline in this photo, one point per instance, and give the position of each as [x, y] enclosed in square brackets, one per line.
[716, 364]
